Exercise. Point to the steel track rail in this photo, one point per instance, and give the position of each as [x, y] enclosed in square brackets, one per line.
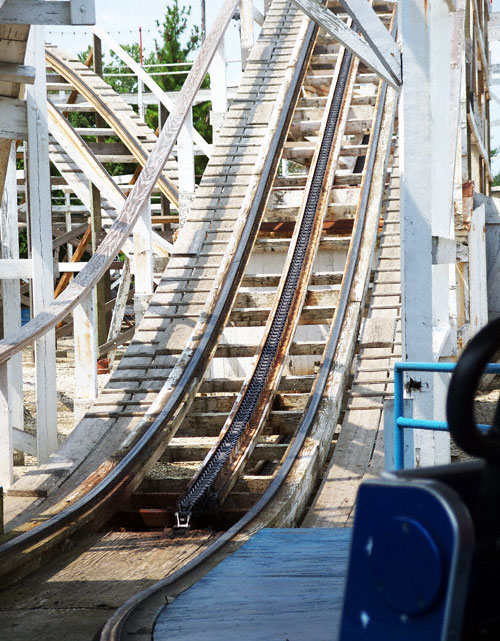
[106, 490]
[131, 142]
[116, 626]
[218, 474]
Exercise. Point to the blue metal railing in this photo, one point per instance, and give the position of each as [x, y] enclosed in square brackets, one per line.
[401, 422]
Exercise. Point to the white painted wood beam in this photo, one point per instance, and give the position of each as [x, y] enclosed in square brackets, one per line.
[11, 72]
[11, 374]
[416, 220]
[24, 441]
[85, 356]
[246, 24]
[119, 308]
[143, 263]
[71, 267]
[82, 11]
[258, 16]
[432, 46]
[13, 119]
[346, 36]
[16, 268]
[185, 159]
[48, 12]
[477, 270]
[7, 449]
[218, 89]
[39, 204]
[376, 34]
[475, 128]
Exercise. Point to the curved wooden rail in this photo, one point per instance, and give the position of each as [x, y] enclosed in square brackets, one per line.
[85, 159]
[82, 285]
[134, 145]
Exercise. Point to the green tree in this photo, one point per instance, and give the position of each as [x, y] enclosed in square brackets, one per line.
[496, 177]
[173, 47]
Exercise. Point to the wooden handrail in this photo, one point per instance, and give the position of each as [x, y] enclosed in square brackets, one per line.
[123, 226]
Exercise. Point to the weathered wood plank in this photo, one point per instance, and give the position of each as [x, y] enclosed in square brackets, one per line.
[276, 575]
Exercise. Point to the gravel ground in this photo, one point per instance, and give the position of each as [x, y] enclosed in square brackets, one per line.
[485, 406]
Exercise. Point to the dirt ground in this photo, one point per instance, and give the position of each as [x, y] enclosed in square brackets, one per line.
[65, 395]
[486, 403]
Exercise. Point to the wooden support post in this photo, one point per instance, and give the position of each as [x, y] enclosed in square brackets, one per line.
[477, 271]
[85, 356]
[428, 154]
[186, 168]
[11, 373]
[103, 288]
[39, 205]
[246, 22]
[48, 12]
[376, 34]
[218, 90]
[97, 61]
[162, 119]
[119, 308]
[203, 20]
[143, 263]
[67, 215]
[11, 295]
[7, 449]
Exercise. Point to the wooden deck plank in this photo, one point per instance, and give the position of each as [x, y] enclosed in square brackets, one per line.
[282, 584]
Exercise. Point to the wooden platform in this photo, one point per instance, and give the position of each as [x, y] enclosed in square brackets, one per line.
[284, 584]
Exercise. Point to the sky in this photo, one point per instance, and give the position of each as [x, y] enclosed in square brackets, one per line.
[494, 105]
[123, 24]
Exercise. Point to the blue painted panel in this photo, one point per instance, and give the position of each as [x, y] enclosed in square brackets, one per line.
[411, 552]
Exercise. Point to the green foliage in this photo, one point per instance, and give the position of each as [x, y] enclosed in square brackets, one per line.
[23, 243]
[172, 48]
[496, 178]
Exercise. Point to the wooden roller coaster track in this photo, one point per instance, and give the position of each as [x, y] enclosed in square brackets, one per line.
[167, 401]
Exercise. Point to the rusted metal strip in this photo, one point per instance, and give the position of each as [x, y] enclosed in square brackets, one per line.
[214, 480]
